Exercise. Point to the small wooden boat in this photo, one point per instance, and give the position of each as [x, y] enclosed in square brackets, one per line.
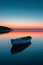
[21, 40]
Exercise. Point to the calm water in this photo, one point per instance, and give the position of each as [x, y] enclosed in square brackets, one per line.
[32, 55]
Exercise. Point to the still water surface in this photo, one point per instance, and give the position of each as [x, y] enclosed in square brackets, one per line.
[32, 55]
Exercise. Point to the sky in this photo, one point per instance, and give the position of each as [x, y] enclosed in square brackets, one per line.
[21, 13]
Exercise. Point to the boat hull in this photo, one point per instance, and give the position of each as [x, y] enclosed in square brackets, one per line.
[21, 40]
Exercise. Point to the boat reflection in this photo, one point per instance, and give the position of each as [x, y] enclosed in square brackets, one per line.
[19, 47]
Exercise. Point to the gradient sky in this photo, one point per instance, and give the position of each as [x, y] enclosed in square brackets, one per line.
[21, 13]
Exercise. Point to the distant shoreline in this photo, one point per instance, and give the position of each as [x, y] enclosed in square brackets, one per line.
[4, 29]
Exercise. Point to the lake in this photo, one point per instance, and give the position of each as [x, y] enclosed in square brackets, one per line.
[32, 55]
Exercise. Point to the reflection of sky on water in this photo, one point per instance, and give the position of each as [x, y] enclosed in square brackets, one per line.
[31, 55]
[21, 34]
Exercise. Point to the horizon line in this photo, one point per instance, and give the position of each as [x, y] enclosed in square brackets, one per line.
[28, 29]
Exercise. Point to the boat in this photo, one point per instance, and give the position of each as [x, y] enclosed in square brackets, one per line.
[21, 40]
[17, 48]
[4, 29]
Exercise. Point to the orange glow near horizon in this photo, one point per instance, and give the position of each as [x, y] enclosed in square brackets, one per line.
[16, 23]
[22, 25]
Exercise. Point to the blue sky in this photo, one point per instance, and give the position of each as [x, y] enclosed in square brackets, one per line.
[23, 11]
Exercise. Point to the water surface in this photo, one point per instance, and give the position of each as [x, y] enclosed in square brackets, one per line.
[32, 55]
